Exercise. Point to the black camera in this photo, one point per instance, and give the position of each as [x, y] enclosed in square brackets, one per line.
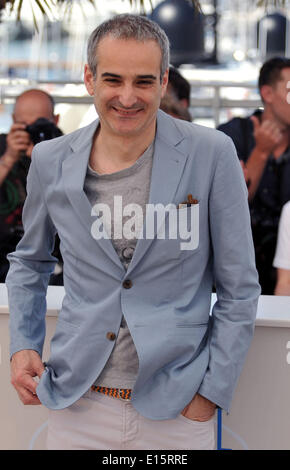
[42, 129]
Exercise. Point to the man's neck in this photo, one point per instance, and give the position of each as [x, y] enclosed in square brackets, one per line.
[114, 153]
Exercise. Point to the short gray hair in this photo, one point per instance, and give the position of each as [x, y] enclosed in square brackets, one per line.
[128, 26]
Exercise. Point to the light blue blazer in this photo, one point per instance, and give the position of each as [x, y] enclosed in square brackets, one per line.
[181, 349]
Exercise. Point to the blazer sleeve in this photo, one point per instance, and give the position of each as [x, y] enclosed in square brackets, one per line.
[236, 279]
[31, 265]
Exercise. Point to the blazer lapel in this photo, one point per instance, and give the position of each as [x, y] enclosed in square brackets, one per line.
[167, 169]
[74, 172]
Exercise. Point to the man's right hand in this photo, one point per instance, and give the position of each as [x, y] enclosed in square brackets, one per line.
[17, 142]
[25, 365]
[267, 136]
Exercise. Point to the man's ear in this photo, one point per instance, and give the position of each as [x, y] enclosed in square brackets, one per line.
[266, 92]
[56, 119]
[89, 80]
[164, 83]
[184, 102]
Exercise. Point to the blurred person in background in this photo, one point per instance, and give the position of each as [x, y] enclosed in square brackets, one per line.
[282, 255]
[178, 87]
[176, 100]
[262, 144]
[33, 120]
[171, 106]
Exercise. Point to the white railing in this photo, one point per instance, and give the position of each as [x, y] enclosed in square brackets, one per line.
[217, 102]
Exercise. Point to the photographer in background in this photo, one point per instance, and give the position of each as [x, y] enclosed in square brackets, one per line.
[15, 152]
[262, 142]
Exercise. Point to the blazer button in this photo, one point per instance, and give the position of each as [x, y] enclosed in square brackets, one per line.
[127, 284]
[111, 336]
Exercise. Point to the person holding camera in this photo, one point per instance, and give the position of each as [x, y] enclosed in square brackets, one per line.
[262, 141]
[33, 120]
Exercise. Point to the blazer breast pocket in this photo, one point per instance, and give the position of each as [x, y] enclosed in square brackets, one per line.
[182, 230]
[188, 227]
[177, 233]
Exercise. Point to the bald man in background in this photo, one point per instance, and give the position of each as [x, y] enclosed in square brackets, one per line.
[15, 152]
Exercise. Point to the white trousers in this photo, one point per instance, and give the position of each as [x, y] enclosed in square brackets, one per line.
[101, 422]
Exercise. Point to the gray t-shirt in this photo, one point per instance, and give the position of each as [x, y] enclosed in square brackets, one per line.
[132, 185]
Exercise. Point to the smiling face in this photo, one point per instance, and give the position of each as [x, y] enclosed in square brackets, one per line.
[281, 107]
[127, 89]
[275, 99]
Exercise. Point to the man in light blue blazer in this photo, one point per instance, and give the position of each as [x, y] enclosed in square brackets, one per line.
[136, 361]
